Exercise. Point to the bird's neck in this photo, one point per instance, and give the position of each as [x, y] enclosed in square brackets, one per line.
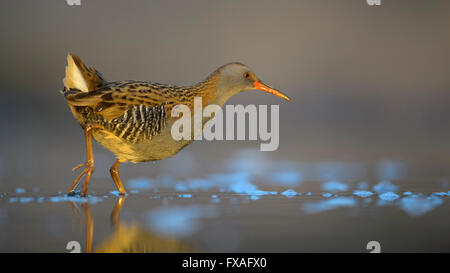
[212, 91]
[206, 89]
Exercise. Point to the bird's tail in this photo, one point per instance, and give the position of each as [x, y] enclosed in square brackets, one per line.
[79, 77]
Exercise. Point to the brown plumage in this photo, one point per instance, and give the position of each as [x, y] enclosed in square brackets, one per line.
[132, 118]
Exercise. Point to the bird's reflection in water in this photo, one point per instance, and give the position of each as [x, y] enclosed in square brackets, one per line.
[128, 237]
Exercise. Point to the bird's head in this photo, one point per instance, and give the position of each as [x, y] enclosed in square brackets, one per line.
[237, 77]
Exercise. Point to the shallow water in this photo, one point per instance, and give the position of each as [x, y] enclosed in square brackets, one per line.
[247, 205]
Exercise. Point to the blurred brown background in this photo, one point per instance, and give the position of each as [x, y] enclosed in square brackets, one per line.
[367, 83]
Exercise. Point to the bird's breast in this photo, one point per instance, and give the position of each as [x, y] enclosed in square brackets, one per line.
[156, 147]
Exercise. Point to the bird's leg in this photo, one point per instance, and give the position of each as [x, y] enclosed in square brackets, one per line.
[89, 227]
[89, 223]
[116, 212]
[89, 164]
[115, 176]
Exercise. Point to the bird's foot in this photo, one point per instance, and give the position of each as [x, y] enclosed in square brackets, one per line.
[89, 167]
[86, 164]
[74, 193]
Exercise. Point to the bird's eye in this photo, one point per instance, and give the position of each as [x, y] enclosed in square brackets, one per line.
[246, 75]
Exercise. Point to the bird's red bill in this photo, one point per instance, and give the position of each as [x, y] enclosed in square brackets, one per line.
[260, 86]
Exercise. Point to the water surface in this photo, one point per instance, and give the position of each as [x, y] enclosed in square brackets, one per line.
[247, 205]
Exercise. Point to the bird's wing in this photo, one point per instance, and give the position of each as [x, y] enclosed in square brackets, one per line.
[114, 99]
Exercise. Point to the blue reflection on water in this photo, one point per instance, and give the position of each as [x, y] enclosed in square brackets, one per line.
[391, 170]
[238, 183]
[329, 204]
[362, 185]
[179, 220]
[115, 193]
[215, 198]
[334, 186]
[186, 195]
[140, 184]
[246, 175]
[419, 205]
[338, 170]
[388, 196]
[235, 182]
[362, 193]
[381, 203]
[385, 186]
[441, 193]
[75, 199]
[25, 200]
[290, 193]
[195, 184]
[286, 178]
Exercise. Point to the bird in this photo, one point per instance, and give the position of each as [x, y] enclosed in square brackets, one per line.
[132, 118]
